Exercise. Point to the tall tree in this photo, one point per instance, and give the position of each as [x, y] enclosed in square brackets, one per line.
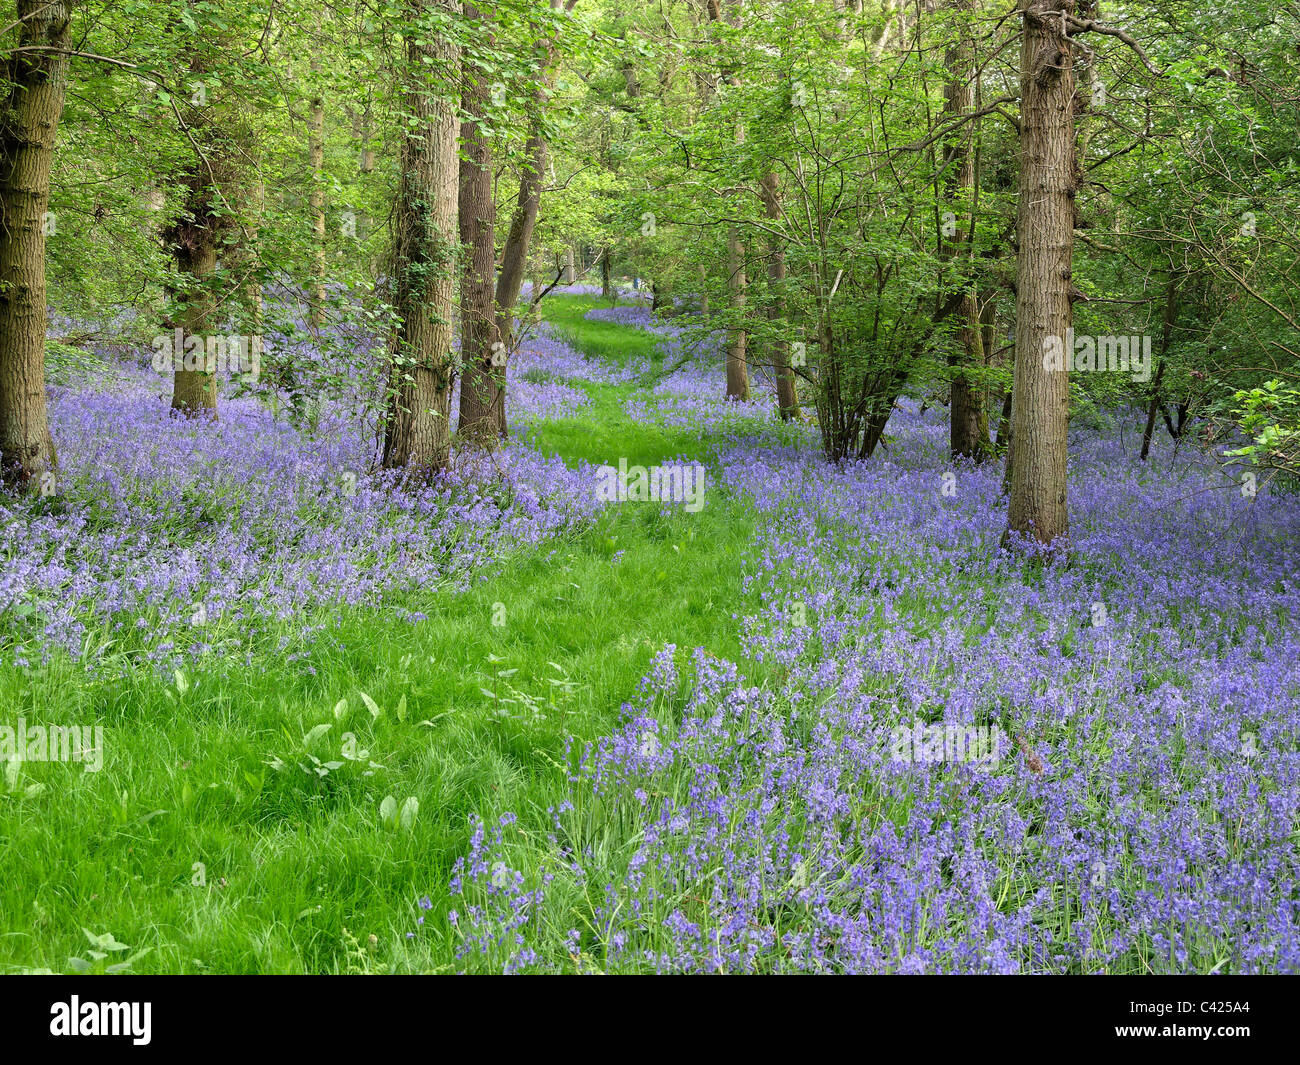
[737, 337]
[195, 234]
[787, 402]
[1045, 234]
[482, 391]
[519, 238]
[968, 429]
[316, 201]
[35, 82]
[417, 437]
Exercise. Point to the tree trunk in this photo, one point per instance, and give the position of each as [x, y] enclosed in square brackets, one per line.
[514, 257]
[787, 403]
[194, 391]
[37, 83]
[253, 257]
[482, 384]
[968, 422]
[367, 149]
[1045, 231]
[416, 433]
[316, 163]
[1166, 333]
[192, 239]
[737, 338]
[1004, 421]
[1152, 409]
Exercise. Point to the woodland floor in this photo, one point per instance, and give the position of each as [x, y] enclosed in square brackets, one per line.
[1117, 835]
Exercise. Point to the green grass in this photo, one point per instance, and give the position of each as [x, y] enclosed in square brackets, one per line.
[601, 432]
[299, 870]
[602, 340]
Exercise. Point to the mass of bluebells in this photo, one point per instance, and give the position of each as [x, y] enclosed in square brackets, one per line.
[547, 356]
[1138, 813]
[172, 538]
[1138, 816]
[689, 391]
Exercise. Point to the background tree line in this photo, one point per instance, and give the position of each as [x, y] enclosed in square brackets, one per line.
[865, 201]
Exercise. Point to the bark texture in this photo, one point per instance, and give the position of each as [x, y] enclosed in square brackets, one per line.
[193, 238]
[482, 393]
[737, 338]
[316, 202]
[417, 437]
[968, 422]
[519, 238]
[37, 84]
[1045, 233]
[787, 403]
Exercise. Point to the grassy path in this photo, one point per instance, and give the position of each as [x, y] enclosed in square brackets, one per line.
[190, 846]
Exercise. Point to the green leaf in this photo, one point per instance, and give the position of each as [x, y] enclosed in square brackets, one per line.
[371, 705]
[123, 966]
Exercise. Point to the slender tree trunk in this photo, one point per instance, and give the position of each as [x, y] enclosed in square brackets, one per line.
[367, 149]
[37, 82]
[514, 256]
[1152, 409]
[482, 384]
[968, 422]
[1045, 231]
[193, 238]
[316, 163]
[988, 319]
[416, 432]
[1004, 419]
[787, 403]
[1166, 334]
[737, 338]
[253, 257]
